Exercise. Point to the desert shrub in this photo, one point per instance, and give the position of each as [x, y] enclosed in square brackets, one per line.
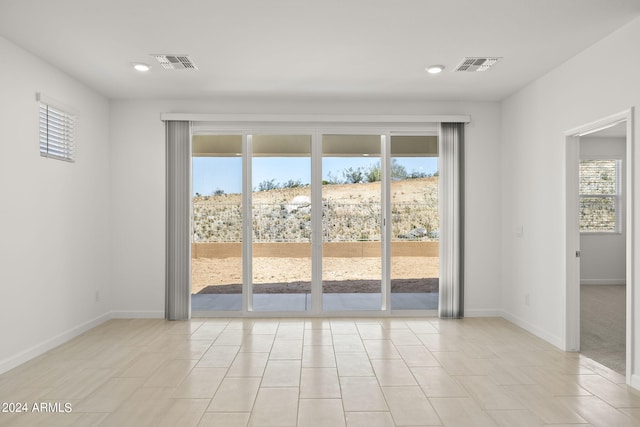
[374, 173]
[268, 184]
[353, 175]
[397, 170]
[416, 175]
[292, 184]
[332, 179]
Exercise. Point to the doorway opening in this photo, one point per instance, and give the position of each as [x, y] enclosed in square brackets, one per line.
[599, 270]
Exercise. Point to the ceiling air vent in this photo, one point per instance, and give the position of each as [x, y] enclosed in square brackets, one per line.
[476, 64]
[175, 62]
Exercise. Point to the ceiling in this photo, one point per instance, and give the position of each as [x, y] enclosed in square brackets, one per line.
[356, 49]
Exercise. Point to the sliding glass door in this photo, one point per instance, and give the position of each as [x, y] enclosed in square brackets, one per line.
[216, 248]
[314, 222]
[415, 222]
[281, 222]
[351, 222]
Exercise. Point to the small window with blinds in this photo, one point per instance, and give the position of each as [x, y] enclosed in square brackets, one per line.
[600, 196]
[57, 132]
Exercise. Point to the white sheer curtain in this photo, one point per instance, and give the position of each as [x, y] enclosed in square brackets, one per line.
[451, 304]
[178, 245]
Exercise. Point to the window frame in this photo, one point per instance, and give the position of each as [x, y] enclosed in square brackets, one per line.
[617, 197]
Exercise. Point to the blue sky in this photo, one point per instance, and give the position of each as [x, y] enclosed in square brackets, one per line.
[225, 173]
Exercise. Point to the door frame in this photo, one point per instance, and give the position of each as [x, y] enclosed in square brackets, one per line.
[572, 240]
[315, 125]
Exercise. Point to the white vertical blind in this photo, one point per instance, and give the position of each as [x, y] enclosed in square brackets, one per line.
[451, 303]
[178, 246]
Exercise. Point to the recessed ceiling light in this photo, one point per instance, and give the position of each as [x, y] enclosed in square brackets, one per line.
[141, 67]
[434, 69]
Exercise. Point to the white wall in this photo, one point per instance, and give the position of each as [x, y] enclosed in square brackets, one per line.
[54, 237]
[138, 190]
[600, 81]
[603, 255]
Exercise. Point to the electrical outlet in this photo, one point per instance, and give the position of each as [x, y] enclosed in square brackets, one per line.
[97, 295]
[526, 300]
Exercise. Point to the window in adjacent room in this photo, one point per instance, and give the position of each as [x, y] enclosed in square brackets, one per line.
[57, 132]
[600, 196]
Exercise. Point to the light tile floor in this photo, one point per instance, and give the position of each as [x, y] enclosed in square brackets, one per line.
[369, 372]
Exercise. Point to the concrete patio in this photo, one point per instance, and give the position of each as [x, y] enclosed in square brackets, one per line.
[302, 302]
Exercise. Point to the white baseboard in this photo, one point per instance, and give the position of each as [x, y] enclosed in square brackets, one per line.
[137, 314]
[551, 339]
[482, 313]
[35, 351]
[603, 281]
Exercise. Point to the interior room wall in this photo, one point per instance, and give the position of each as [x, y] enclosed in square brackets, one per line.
[54, 227]
[600, 81]
[138, 189]
[602, 256]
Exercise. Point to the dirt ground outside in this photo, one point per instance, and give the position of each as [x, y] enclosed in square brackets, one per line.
[292, 275]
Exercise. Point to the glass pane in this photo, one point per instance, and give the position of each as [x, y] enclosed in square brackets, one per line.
[281, 199]
[351, 222]
[598, 195]
[597, 214]
[414, 223]
[216, 264]
[598, 177]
